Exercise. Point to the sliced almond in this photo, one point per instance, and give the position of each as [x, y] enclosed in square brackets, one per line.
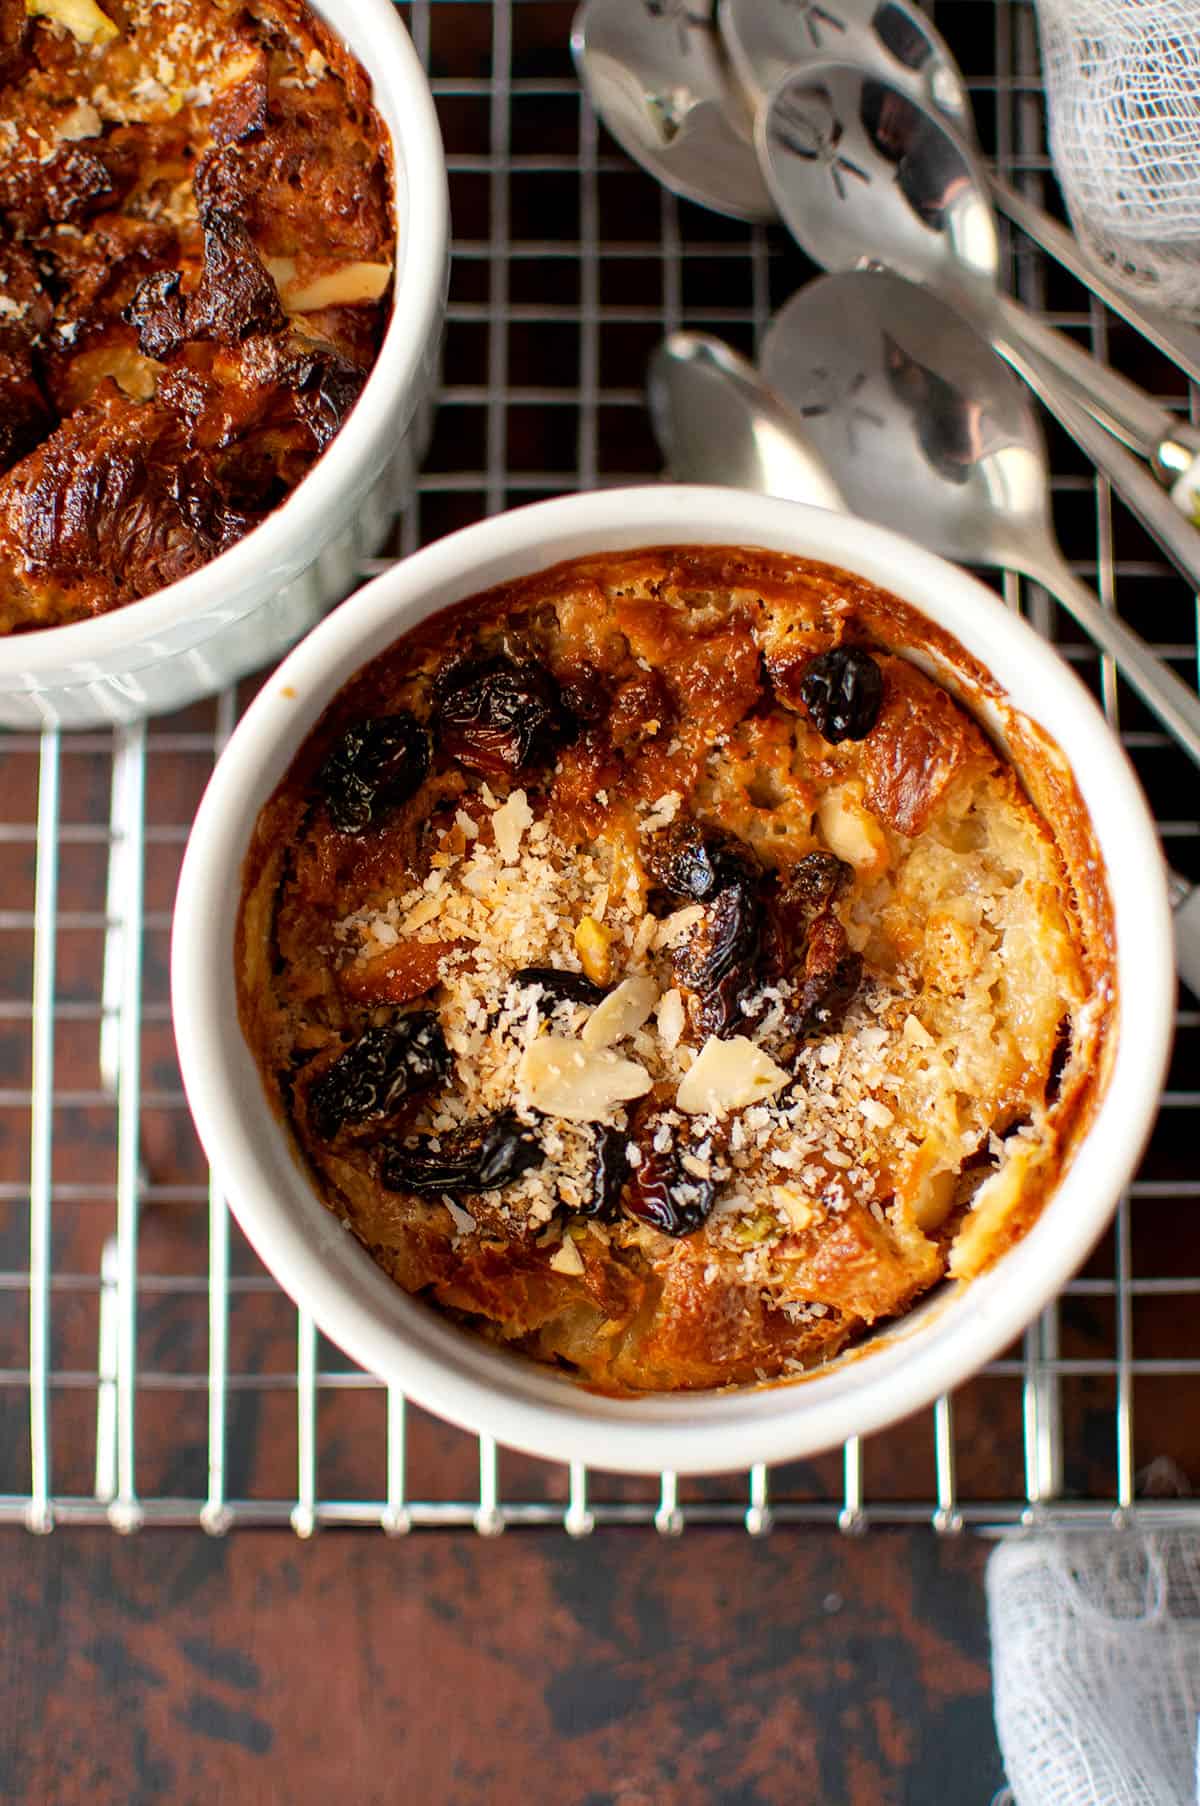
[82, 18]
[622, 1011]
[852, 832]
[877, 1114]
[509, 824]
[353, 285]
[643, 940]
[675, 928]
[563, 1078]
[914, 1030]
[464, 1222]
[795, 1206]
[567, 1259]
[420, 913]
[81, 122]
[729, 1075]
[671, 1019]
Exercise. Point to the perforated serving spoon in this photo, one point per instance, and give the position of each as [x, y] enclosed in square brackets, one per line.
[862, 173]
[768, 39]
[679, 97]
[718, 421]
[926, 431]
[657, 75]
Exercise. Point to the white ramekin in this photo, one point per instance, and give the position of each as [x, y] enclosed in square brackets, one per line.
[459, 1376]
[243, 609]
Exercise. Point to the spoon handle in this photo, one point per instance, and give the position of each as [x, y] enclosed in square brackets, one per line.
[1178, 342]
[1177, 535]
[1120, 406]
[1175, 703]
[1185, 907]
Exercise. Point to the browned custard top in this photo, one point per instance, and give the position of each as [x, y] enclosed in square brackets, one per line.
[665, 976]
[196, 257]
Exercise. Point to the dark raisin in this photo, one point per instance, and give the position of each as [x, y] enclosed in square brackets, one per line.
[641, 708]
[842, 691]
[483, 1156]
[385, 1067]
[558, 986]
[823, 998]
[661, 1192]
[585, 693]
[687, 860]
[802, 897]
[496, 716]
[375, 766]
[815, 881]
[610, 1169]
[720, 960]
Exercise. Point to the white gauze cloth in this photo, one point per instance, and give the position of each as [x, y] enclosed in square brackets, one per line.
[1123, 94]
[1096, 1666]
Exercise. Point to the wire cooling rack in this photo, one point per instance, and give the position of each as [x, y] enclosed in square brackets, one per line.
[150, 1369]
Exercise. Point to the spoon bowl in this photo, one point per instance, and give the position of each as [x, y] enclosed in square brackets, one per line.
[767, 39]
[925, 430]
[921, 426]
[716, 422]
[963, 478]
[656, 74]
[863, 173]
[859, 169]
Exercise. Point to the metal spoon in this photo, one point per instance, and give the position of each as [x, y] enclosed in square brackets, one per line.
[710, 408]
[656, 73]
[927, 432]
[768, 39]
[717, 422]
[862, 173]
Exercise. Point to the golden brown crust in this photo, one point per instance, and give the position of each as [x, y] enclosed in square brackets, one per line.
[196, 241]
[944, 904]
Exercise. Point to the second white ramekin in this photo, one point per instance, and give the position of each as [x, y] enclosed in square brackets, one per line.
[248, 605]
[458, 1375]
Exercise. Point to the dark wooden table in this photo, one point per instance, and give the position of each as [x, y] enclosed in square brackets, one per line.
[807, 1669]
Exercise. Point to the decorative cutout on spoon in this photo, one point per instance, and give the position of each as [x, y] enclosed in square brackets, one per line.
[831, 394]
[811, 130]
[812, 15]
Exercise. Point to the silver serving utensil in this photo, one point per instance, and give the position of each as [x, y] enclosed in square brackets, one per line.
[768, 39]
[862, 173]
[712, 414]
[717, 422]
[657, 75]
[927, 432]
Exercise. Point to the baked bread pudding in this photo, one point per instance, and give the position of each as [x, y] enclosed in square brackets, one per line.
[196, 255]
[661, 972]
